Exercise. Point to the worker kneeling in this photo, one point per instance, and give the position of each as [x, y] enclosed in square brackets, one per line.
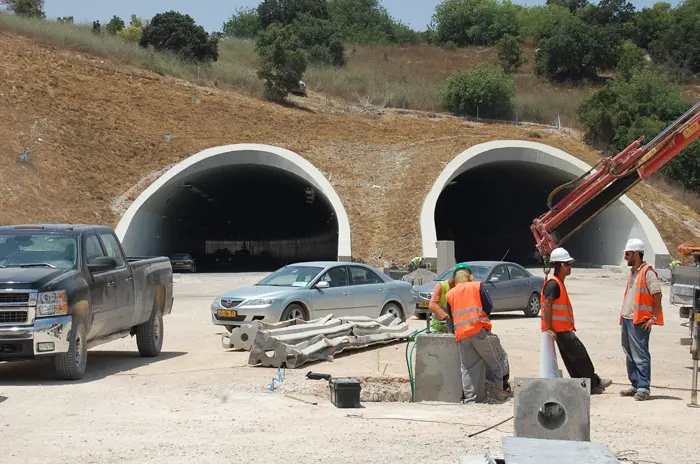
[466, 304]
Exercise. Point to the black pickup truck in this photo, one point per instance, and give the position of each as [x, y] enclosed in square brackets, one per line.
[67, 288]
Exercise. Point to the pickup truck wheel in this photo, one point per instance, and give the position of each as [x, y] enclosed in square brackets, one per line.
[71, 365]
[149, 335]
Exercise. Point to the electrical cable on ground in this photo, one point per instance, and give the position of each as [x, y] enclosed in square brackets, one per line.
[489, 428]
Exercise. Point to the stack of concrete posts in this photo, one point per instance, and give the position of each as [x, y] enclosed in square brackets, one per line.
[293, 345]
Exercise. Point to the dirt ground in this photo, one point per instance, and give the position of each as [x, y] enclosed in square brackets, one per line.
[98, 130]
[199, 403]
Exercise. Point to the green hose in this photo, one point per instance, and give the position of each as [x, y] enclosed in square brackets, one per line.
[409, 357]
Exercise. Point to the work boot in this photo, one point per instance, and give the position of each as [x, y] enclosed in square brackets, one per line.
[629, 392]
[597, 391]
[641, 396]
[604, 383]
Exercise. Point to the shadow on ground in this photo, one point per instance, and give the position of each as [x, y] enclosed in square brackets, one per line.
[100, 364]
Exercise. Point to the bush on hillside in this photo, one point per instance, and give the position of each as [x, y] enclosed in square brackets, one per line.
[26, 8]
[540, 22]
[510, 54]
[179, 34]
[134, 32]
[679, 45]
[468, 22]
[367, 22]
[631, 58]
[645, 104]
[115, 25]
[285, 12]
[283, 61]
[576, 50]
[650, 24]
[483, 90]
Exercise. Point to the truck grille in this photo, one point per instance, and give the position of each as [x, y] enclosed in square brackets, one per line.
[13, 316]
[14, 297]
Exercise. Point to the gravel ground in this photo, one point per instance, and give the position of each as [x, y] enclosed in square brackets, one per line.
[200, 403]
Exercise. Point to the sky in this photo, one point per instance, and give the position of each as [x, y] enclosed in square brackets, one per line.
[211, 14]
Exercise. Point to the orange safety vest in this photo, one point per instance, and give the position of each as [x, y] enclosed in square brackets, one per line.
[467, 311]
[643, 299]
[562, 311]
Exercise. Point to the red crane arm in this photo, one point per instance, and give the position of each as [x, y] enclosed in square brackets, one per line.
[609, 179]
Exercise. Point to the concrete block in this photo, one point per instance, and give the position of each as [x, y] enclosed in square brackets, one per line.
[445, 255]
[438, 374]
[519, 450]
[557, 409]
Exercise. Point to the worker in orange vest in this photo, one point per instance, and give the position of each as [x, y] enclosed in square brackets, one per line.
[641, 310]
[557, 319]
[466, 307]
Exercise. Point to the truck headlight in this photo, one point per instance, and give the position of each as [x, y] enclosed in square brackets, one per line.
[51, 303]
[261, 302]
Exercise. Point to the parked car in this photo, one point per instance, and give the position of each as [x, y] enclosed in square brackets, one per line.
[311, 290]
[300, 89]
[67, 288]
[183, 262]
[510, 286]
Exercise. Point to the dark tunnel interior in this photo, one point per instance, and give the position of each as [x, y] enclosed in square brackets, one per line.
[249, 218]
[488, 210]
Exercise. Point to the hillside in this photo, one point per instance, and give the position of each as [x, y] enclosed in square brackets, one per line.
[102, 126]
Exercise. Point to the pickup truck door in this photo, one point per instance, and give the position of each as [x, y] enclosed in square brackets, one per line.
[124, 281]
[102, 294]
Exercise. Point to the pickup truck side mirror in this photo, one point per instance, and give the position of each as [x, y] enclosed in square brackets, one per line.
[102, 264]
[494, 280]
[322, 284]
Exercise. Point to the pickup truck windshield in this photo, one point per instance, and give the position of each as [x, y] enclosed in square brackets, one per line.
[40, 250]
[291, 276]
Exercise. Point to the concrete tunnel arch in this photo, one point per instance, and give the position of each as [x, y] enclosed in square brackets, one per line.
[599, 242]
[143, 230]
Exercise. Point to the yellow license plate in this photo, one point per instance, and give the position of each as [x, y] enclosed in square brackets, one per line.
[227, 313]
[424, 304]
[179, 263]
[697, 317]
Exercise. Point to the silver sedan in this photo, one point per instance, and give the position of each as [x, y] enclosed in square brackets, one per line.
[312, 290]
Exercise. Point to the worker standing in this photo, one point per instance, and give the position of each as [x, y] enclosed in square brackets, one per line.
[438, 304]
[557, 319]
[469, 304]
[641, 310]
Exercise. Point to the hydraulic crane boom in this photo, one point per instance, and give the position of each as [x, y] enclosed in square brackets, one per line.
[608, 180]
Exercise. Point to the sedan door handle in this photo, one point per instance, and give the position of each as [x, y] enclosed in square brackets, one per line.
[111, 284]
[346, 293]
[383, 290]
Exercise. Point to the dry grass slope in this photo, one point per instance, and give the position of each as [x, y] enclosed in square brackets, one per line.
[103, 126]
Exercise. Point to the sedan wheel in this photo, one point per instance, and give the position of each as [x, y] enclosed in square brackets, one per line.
[533, 306]
[394, 310]
[293, 311]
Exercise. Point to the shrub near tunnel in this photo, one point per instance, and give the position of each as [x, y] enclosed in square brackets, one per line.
[483, 91]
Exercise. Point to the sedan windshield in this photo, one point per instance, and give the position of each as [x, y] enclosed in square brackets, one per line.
[291, 276]
[479, 273]
[38, 250]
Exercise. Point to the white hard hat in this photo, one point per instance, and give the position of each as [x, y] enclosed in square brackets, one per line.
[560, 255]
[634, 244]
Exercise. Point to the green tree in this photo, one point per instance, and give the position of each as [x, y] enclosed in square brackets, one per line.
[572, 5]
[27, 8]
[285, 12]
[115, 25]
[282, 61]
[179, 34]
[484, 90]
[650, 24]
[244, 24]
[541, 21]
[679, 45]
[510, 54]
[367, 22]
[631, 58]
[134, 32]
[321, 39]
[577, 50]
[474, 21]
[644, 105]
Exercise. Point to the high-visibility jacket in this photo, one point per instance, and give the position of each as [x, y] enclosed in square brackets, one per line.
[643, 299]
[443, 304]
[562, 310]
[467, 311]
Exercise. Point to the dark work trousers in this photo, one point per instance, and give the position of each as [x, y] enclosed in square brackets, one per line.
[575, 357]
